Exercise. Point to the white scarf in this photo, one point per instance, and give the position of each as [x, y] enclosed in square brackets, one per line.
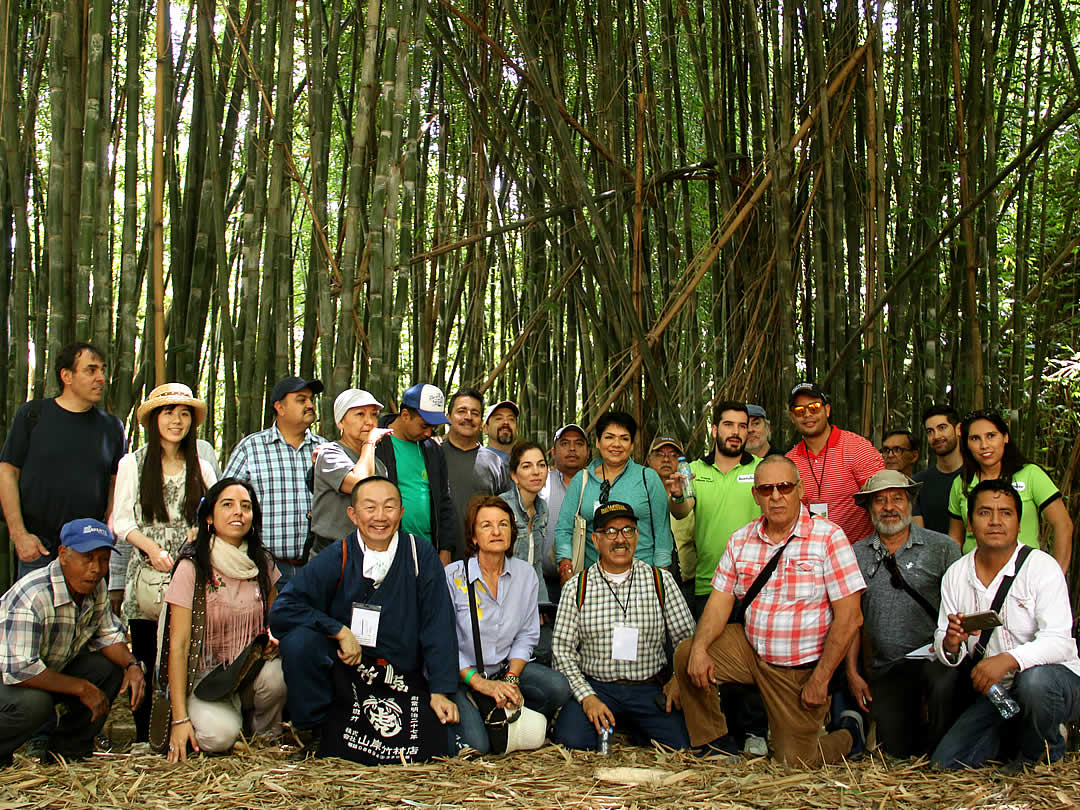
[232, 561]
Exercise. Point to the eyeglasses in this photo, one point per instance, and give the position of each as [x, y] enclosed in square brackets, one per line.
[894, 451]
[628, 532]
[812, 408]
[666, 455]
[605, 491]
[765, 490]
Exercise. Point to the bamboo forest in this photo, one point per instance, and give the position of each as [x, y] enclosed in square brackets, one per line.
[576, 204]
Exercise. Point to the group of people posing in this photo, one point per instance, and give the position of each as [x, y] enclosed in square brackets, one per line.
[401, 596]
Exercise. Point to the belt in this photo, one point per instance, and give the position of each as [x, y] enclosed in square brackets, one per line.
[810, 665]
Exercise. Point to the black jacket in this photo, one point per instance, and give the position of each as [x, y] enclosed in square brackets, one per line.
[443, 514]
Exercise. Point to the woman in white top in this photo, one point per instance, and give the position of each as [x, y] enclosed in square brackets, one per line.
[158, 489]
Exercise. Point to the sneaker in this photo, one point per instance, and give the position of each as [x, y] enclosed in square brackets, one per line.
[852, 720]
[755, 746]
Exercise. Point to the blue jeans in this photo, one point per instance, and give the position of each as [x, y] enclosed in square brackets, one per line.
[1049, 695]
[544, 690]
[632, 704]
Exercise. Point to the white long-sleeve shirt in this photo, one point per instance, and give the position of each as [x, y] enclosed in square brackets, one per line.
[1036, 616]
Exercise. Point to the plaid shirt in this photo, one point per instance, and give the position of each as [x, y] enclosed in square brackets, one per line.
[277, 471]
[581, 643]
[43, 628]
[788, 621]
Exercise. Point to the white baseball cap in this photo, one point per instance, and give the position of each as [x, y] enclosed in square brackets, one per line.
[352, 398]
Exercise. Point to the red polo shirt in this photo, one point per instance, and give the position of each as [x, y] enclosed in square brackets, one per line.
[834, 476]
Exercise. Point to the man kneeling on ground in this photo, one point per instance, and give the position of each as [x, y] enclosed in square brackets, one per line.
[382, 583]
[795, 633]
[59, 642]
[1031, 657]
[609, 638]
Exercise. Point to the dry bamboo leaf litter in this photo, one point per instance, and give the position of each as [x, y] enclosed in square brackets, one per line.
[550, 777]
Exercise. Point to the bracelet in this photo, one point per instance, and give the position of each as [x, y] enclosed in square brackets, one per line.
[569, 563]
[680, 499]
[510, 677]
[469, 674]
[181, 721]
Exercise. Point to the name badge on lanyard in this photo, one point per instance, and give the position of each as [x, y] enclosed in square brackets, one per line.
[820, 510]
[624, 642]
[365, 623]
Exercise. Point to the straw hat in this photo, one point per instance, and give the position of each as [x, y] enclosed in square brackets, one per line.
[172, 394]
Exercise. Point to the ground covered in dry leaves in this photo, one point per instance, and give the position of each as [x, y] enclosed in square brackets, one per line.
[548, 778]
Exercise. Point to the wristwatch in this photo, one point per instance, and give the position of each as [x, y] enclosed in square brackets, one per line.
[135, 662]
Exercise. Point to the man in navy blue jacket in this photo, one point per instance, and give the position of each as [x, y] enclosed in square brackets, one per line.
[408, 622]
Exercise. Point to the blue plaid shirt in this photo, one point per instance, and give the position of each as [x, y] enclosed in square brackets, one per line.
[276, 470]
[43, 628]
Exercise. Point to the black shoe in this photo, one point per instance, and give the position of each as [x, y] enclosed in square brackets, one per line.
[852, 720]
[308, 740]
[725, 746]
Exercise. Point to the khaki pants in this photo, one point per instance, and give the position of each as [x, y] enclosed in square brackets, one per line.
[218, 724]
[796, 732]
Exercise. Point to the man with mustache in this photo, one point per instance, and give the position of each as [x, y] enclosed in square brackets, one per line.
[610, 632]
[569, 455]
[902, 564]
[472, 468]
[59, 460]
[276, 461]
[759, 432]
[799, 583]
[942, 425]
[501, 426]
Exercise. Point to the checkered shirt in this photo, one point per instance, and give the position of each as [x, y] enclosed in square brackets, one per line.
[788, 621]
[581, 642]
[276, 470]
[43, 628]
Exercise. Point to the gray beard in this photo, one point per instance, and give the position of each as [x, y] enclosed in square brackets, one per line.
[892, 529]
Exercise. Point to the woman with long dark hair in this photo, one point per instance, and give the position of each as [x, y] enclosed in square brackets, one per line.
[228, 561]
[158, 488]
[988, 452]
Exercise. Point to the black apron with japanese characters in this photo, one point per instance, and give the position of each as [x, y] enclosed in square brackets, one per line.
[381, 716]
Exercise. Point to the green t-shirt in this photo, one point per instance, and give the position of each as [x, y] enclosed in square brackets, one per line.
[723, 503]
[1036, 490]
[412, 480]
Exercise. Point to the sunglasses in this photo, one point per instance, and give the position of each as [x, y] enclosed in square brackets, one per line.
[812, 408]
[605, 491]
[611, 532]
[765, 490]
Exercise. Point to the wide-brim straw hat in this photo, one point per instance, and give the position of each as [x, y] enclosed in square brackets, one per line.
[172, 394]
[886, 479]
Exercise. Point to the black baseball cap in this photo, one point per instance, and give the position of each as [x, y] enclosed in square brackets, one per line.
[607, 512]
[290, 385]
[809, 389]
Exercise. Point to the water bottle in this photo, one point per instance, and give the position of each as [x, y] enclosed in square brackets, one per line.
[1002, 701]
[604, 748]
[688, 478]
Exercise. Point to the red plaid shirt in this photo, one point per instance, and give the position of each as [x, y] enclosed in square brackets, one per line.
[834, 476]
[788, 621]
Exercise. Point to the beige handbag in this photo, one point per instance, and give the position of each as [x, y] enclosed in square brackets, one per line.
[150, 587]
[577, 552]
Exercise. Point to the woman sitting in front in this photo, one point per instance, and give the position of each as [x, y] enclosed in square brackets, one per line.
[506, 597]
[229, 561]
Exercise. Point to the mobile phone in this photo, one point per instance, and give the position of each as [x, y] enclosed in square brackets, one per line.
[975, 622]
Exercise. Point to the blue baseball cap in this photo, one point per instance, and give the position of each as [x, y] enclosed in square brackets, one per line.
[428, 401]
[86, 534]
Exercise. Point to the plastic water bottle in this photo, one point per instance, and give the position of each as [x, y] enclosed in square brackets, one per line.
[604, 747]
[688, 477]
[1002, 701]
